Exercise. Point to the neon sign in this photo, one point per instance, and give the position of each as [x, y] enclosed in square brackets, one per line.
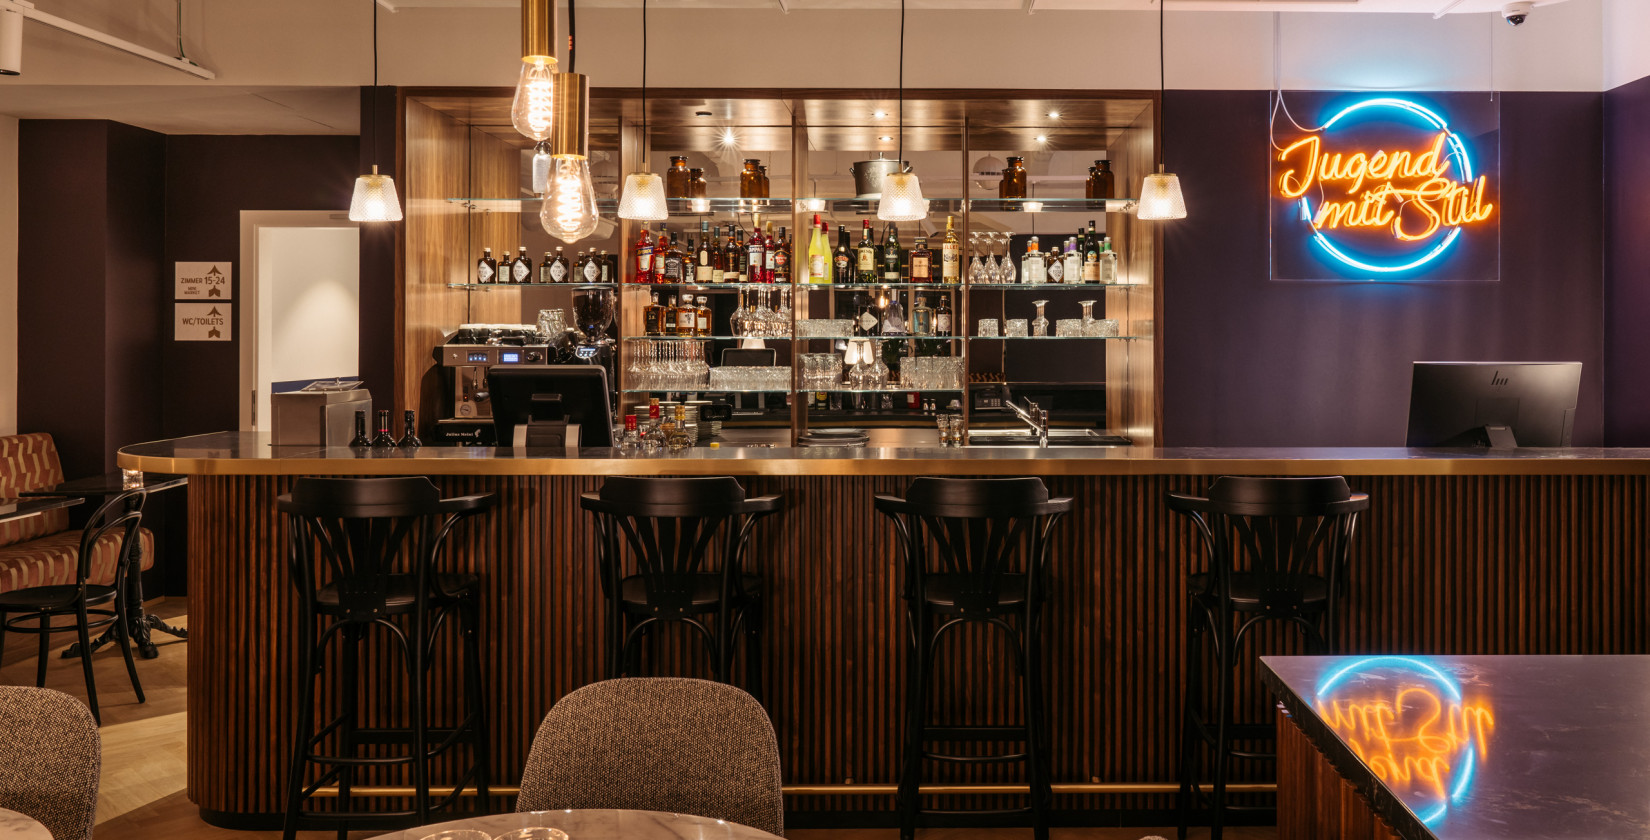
[1384, 188]
[1411, 725]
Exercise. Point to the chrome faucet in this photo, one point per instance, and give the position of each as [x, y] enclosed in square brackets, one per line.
[1034, 417]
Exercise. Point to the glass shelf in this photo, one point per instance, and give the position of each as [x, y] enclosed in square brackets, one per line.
[705, 337]
[895, 390]
[1043, 287]
[487, 287]
[708, 286]
[871, 287]
[1056, 337]
[705, 390]
[610, 206]
[784, 206]
[881, 337]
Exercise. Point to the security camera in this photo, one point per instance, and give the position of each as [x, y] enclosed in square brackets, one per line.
[1517, 13]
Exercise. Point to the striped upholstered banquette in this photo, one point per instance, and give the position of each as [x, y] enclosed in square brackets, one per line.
[40, 550]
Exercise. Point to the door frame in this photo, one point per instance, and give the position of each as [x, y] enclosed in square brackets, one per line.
[251, 222]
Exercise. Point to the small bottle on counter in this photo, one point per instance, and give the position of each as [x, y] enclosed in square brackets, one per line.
[631, 440]
[409, 438]
[360, 440]
[383, 440]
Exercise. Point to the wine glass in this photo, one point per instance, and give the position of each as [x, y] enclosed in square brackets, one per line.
[1007, 271]
[993, 271]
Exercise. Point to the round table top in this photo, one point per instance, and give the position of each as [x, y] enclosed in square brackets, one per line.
[597, 825]
[15, 826]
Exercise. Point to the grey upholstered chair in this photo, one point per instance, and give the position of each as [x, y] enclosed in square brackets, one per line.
[50, 758]
[658, 744]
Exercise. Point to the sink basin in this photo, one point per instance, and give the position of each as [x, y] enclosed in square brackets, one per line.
[1056, 437]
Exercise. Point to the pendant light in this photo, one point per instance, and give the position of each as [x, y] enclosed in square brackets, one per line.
[374, 199]
[553, 110]
[643, 198]
[1160, 196]
[902, 199]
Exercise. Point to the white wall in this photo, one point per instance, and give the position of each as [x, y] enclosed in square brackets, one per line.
[309, 302]
[8, 276]
[1626, 41]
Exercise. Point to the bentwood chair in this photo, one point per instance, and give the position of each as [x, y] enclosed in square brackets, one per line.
[667, 744]
[1278, 550]
[50, 760]
[974, 551]
[365, 557]
[83, 601]
[671, 550]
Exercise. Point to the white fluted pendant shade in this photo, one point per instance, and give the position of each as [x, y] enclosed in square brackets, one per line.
[902, 199]
[1160, 197]
[643, 199]
[375, 199]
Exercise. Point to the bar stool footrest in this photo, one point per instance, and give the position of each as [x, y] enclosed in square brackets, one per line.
[974, 733]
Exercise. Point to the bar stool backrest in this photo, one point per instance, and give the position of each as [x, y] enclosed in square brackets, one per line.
[1282, 531]
[671, 527]
[976, 531]
[360, 529]
[123, 515]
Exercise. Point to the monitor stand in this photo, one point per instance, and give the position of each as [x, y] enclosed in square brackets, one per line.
[547, 434]
[1500, 437]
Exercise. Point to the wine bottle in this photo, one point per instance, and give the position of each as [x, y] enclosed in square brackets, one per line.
[409, 438]
[383, 440]
[360, 440]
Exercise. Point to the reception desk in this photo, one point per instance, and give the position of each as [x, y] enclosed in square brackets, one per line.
[1526, 552]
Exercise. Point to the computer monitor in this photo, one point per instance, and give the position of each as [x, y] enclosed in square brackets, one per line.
[1496, 404]
[547, 398]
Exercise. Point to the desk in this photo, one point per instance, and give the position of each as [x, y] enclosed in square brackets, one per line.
[142, 624]
[1463, 747]
[598, 825]
[15, 826]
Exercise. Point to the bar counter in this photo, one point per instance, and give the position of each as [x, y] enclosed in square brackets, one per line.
[1465, 552]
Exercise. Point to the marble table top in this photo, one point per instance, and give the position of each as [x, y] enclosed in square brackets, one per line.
[597, 825]
[15, 826]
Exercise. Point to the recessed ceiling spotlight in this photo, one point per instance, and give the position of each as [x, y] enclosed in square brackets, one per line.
[1042, 139]
[1054, 115]
[885, 139]
[701, 113]
[879, 114]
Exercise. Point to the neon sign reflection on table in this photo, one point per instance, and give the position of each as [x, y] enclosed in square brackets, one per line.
[1409, 722]
[1409, 193]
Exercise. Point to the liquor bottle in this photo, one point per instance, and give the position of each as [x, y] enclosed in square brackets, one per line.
[942, 317]
[1108, 263]
[701, 316]
[670, 317]
[383, 440]
[486, 268]
[1032, 268]
[893, 316]
[1074, 262]
[892, 254]
[819, 259]
[593, 267]
[544, 267]
[1055, 265]
[718, 257]
[1091, 256]
[770, 254]
[674, 264]
[782, 258]
[866, 318]
[701, 265]
[521, 268]
[741, 257]
[866, 256]
[842, 260]
[632, 439]
[409, 438]
[754, 257]
[360, 440]
[559, 268]
[921, 264]
[1102, 181]
[687, 318]
[609, 268]
[653, 316]
[950, 255]
[922, 315]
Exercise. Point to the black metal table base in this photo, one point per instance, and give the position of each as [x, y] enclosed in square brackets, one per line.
[142, 626]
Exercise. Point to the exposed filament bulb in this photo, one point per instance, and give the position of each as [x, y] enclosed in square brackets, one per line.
[531, 112]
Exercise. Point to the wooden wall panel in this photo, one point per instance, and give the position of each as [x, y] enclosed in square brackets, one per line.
[437, 168]
[1132, 367]
[495, 172]
[1441, 565]
[1314, 802]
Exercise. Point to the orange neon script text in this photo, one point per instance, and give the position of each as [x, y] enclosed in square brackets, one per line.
[1410, 193]
[1412, 739]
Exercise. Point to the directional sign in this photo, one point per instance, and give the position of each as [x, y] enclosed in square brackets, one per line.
[204, 280]
[202, 321]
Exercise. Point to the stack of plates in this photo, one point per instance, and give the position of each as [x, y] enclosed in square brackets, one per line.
[834, 437]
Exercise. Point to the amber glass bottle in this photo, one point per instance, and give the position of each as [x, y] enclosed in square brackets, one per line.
[701, 187]
[750, 180]
[1013, 184]
[676, 178]
[1102, 182]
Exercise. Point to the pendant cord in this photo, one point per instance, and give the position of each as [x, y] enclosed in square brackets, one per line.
[1162, 82]
[901, 155]
[572, 34]
[373, 118]
[644, 86]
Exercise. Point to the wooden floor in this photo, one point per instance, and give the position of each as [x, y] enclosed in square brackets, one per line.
[142, 796]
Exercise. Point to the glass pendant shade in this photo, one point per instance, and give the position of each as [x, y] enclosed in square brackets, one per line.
[1160, 197]
[569, 212]
[532, 112]
[643, 198]
[902, 199]
[375, 199]
[541, 168]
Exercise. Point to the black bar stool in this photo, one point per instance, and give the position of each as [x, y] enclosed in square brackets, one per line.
[670, 529]
[1278, 550]
[974, 550]
[364, 553]
[121, 515]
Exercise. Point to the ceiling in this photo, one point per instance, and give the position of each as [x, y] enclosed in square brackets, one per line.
[1376, 6]
[194, 109]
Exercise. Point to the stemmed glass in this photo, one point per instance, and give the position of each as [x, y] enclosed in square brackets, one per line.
[993, 271]
[1007, 271]
[976, 268]
[737, 322]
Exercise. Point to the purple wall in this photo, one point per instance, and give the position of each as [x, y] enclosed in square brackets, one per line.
[1251, 362]
[1627, 264]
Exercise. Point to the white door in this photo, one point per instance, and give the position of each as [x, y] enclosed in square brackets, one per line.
[302, 292]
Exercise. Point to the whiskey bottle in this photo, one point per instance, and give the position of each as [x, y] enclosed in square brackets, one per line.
[921, 260]
[653, 319]
[702, 315]
[383, 440]
[718, 257]
[672, 317]
[892, 254]
[521, 268]
[687, 318]
[701, 262]
[866, 256]
[674, 266]
[486, 268]
[942, 317]
[950, 255]
[409, 437]
[742, 258]
[558, 267]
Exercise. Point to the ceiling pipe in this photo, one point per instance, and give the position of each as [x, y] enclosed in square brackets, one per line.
[27, 10]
